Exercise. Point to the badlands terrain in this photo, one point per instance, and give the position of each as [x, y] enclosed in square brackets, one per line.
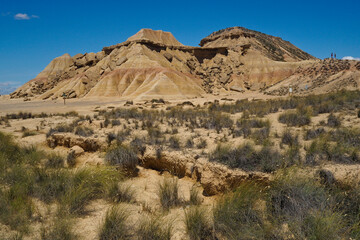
[158, 140]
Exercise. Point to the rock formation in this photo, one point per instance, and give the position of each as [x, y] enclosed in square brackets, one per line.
[154, 64]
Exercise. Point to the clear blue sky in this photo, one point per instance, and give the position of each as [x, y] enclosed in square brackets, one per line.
[34, 32]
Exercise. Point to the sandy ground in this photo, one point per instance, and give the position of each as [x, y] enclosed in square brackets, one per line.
[86, 105]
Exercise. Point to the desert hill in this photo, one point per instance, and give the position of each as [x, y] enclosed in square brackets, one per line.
[154, 64]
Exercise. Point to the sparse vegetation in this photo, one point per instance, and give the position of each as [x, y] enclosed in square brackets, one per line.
[115, 224]
[168, 192]
[198, 223]
[154, 228]
[236, 215]
[122, 156]
[60, 230]
[247, 158]
[300, 117]
[195, 196]
[291, 204]
[84, 131]
[333, 121]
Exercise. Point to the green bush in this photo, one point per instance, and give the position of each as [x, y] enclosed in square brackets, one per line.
[60, 230]
[122, 156]
[84, 131]
[55, 161]
[154, 228]
[236, 215]
[300, 117]
[321, 226]
[189, 143]
[28, 133]
[195, 196]
[202, 143]
[333, 121]
[198, 224]
[289, 139]
[247, 158]
[168, 193]
[114, 226]
[313, 133]
[87, 184]
[121, 193]
[174, 143]
[294, 195]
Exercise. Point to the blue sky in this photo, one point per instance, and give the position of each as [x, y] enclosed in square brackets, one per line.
[32, 33]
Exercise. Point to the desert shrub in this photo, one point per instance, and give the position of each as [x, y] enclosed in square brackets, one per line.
[50, 185]
[358, 113]
[347, 196]
[341, 145]
[115, 122]
[28, 133]
[16, 207]
[300, 117]
[236, 215]
[218, 121]
[252, 123]
[25, 178]
[349, 137]
[55, 161]
[87, 184]
[62, 128]
[318, 150]
[154, 228]
[160, 100]
[261, 136]
[114, 225]
[333, 121]
[71, 159]
[247, 158]
[195, 196]
[198, 224]
[60, 230]
[293, 196]
[120, 136]
[106, 122]
[245, 125]
[122, 156]
[168, 192]
[84, 131]
[121, 193]
[154, 135]
[174, 143]
[321, 225]
[289, 139]
[313, 133]
[189, 143]
[138, 144]
[70, 114]
[202, 143]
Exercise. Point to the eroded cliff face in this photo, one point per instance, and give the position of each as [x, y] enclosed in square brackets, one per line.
[154, 64]
[320, 77]
[272, 47]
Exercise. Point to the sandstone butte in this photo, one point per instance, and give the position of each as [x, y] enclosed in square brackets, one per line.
[153, 64]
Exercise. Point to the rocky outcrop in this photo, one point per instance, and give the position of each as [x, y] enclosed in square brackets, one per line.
[272, 47]
[319, 77]
[158, 36]
[153, 64]
[70, 140]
